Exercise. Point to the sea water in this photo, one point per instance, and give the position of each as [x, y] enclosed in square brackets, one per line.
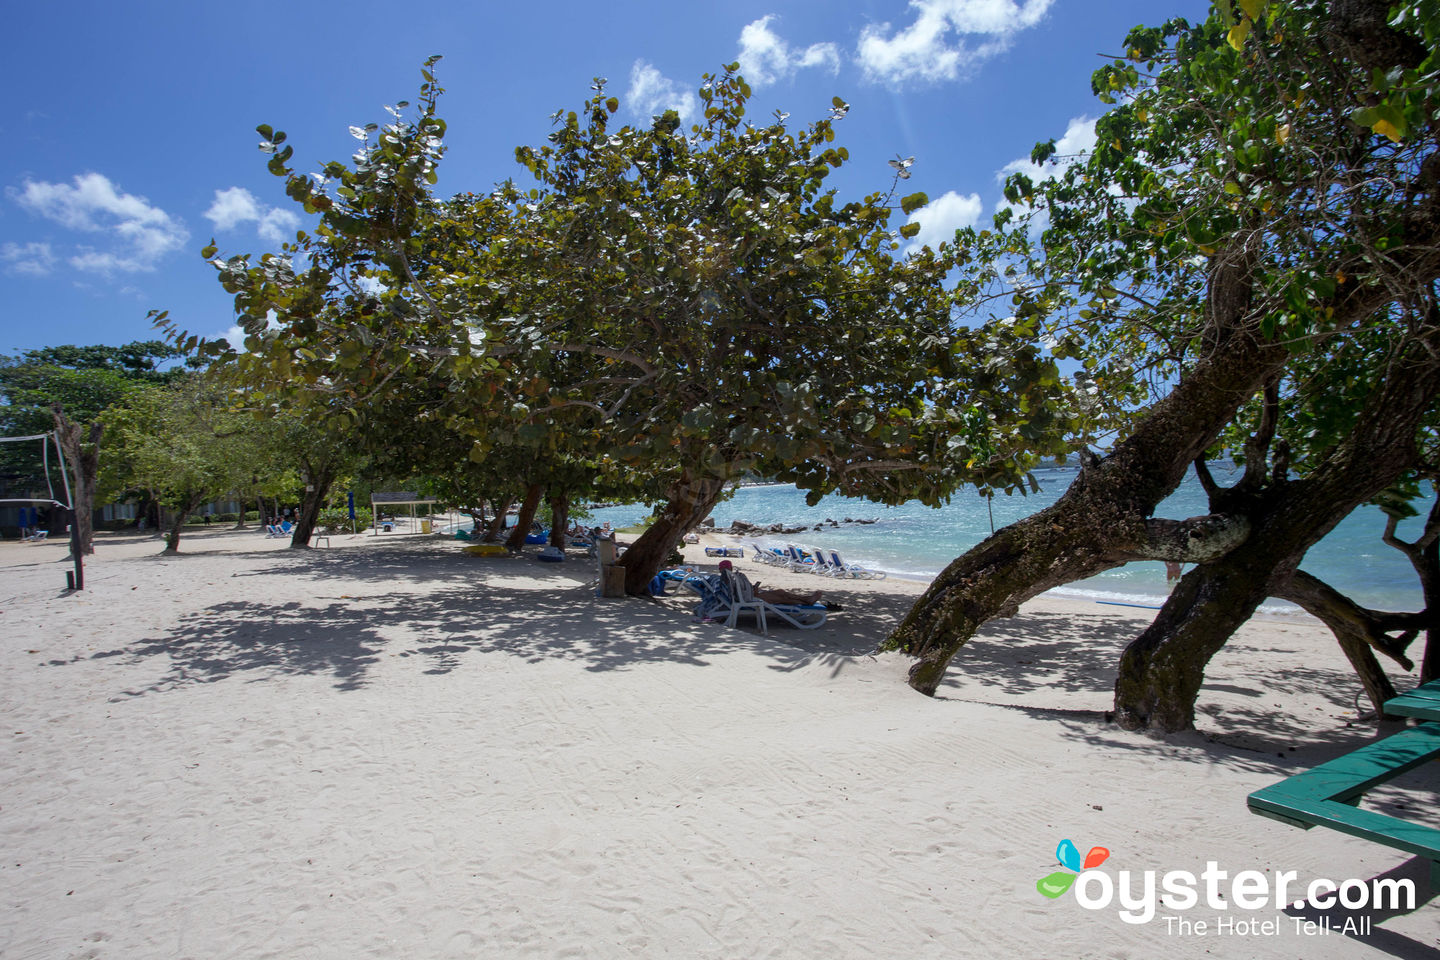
[918, 542]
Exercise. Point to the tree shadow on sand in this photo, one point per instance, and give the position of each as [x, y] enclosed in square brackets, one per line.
[345, 636]
[442, 607]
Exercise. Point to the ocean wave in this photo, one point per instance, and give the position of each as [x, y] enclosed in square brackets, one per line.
[1276, 608]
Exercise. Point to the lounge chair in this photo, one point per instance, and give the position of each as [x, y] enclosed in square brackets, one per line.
[802, 616]
[738, 552]
[37, 536]
[853, 569]
[800, 562]
[822, 566]
[680, 575]
[768, 555]
[715, 597]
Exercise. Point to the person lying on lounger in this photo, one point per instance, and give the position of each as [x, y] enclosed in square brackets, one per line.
[775, 594]
[779, 595]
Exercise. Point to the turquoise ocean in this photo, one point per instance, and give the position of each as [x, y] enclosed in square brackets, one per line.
[915, 541]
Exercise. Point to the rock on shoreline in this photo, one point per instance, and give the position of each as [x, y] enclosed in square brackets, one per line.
[744, 528]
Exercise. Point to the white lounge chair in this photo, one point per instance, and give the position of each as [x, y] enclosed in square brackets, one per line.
[854, 569]
[799, 562]
[802, 616]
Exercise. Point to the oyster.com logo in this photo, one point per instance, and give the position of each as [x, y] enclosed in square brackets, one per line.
[1141, 894]
[1068, 854]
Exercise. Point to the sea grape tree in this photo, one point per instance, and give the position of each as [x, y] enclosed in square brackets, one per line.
[741, 318]
[677, 307]
[1258, 225]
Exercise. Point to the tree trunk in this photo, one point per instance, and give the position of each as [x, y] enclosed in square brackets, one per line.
[316, 491]
[1424, 556]
[1430, 663]
[152, 512]
[83, 456]
[1162, 670]
[177, 523]
[1427, 565]
[240, 522]
[690, 501]
[528, 506]
[497, 522]
[559, 520]
[1096, 522]
[1359, 631]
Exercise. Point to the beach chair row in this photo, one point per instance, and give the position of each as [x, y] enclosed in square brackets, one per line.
[814, 561]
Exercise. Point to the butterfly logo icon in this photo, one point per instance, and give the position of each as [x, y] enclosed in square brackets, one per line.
[1069, 856]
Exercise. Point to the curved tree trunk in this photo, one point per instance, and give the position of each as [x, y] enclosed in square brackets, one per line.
[1427, 565]
[1424, 556]
[528, 507]
[1162, 670]
[315, 493]
[177, 522]
[1359, 631]
[497, 522]
[1101, 520]
[689, 502]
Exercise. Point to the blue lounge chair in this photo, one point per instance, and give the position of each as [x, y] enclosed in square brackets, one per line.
[800, 562]
[853, 569]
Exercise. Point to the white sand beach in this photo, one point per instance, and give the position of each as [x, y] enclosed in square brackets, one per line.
[391, 749]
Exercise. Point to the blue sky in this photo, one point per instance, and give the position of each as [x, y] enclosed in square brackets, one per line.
[130, 138]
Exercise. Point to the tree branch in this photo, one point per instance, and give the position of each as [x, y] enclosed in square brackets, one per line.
[1347, 619]
[1196, 540]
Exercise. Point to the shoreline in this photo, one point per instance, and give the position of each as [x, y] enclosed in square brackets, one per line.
[392, 748]
[917, 541]
[1276, 610]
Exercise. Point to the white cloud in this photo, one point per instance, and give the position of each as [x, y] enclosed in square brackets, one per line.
[236, 334]
[765, 58]
[32, 259]
[140, 234]
[278, 226]
[235, 206]
[925, 50]
[1079, 140]
[941, 217]
[652, 93]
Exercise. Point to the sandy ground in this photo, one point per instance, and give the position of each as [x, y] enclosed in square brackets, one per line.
[389, 748]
